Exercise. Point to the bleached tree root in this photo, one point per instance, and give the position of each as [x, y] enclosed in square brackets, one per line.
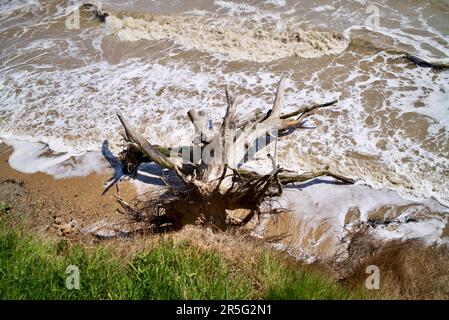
[212, 188]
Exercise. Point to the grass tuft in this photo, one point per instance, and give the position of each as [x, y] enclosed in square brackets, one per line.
[32, 268]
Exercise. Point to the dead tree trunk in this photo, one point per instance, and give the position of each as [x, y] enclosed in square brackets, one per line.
[215, 190]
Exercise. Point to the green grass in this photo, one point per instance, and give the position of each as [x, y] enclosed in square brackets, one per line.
[35, 269]
[291, 283]
[4, 207]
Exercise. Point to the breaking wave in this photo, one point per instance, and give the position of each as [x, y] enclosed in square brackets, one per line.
[228, 38]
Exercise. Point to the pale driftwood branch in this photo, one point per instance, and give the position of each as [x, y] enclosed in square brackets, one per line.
[259, 115]
[151, 152]
[276, 110]
[209, 194]
[201, 124]
[307, 110]
[228, 120]
[286, 177]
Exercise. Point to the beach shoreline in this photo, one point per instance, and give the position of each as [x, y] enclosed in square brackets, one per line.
[74, 207]
[42, 199]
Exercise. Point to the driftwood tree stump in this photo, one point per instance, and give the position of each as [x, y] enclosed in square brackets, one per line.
[212, 187]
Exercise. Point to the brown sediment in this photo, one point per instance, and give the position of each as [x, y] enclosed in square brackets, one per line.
[417, 212]
[315, 239]
[282, 226]
[353, 215]
[445, 231]
[49, 204]
[229, 38]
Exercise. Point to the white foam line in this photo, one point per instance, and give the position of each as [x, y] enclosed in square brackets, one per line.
[29, 156]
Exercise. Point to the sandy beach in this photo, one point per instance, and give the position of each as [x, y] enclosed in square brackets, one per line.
[42, 199]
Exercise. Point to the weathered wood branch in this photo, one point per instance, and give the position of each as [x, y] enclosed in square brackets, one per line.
[215, 186]
[201, 124]
[287, 177]
[276, 110]
[305, 111]
[153, 154]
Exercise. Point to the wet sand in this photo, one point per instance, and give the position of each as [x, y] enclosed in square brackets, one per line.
[42, 200]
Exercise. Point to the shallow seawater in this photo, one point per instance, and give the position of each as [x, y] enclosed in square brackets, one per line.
[155, 60]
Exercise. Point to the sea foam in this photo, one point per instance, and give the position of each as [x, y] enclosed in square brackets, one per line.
[228, 38]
